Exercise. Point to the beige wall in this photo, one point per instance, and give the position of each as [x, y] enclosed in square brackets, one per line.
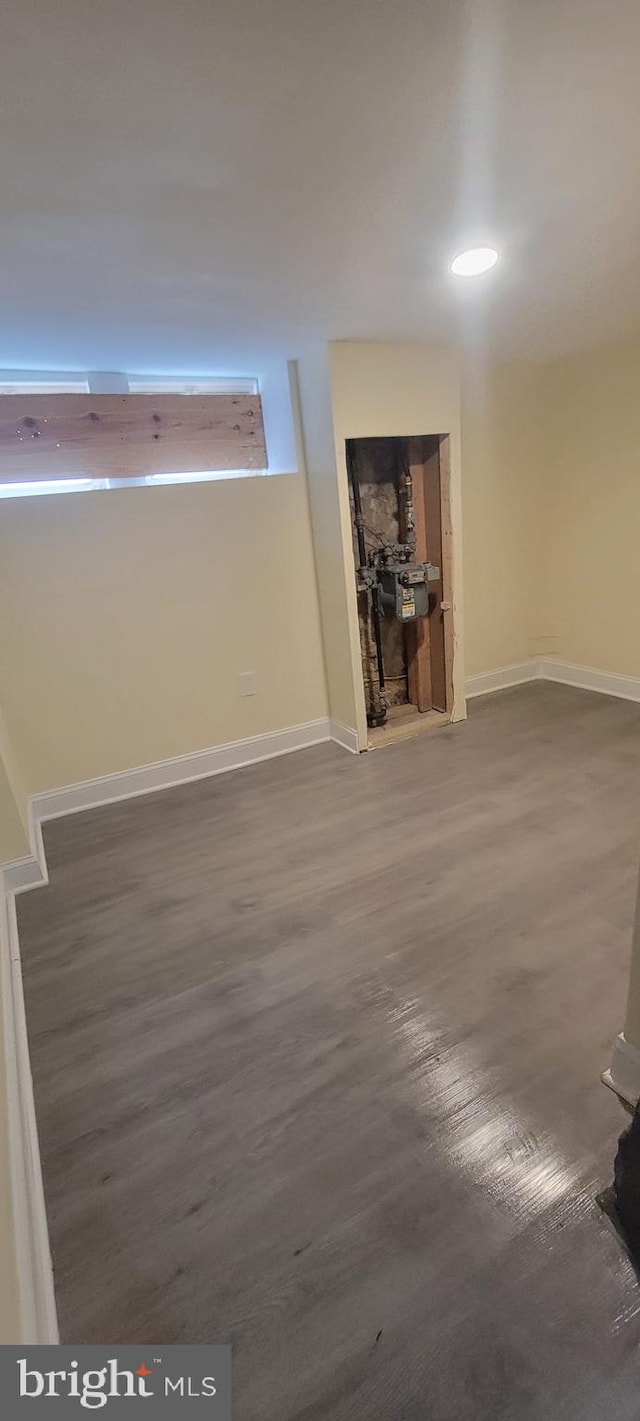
[13, 838]
[592, 522]
[117, 652]
[133, 613]
[504, 525]
[551, 487]
[385, 390]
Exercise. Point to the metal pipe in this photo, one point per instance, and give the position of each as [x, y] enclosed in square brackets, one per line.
[357, 505]
[405, 500]
[379, 715]
[378, 637]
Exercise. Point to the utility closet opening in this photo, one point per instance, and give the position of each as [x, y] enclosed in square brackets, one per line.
[399, 492]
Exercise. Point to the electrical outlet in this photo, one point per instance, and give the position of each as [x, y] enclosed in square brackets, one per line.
[248, 683]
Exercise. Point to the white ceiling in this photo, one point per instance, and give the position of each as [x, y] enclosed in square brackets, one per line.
[188, 183]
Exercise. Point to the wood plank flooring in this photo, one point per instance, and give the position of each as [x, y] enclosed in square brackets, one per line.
[316, 1049]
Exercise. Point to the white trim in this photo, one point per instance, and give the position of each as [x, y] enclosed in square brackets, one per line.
[505, 676]
[164, 774]
[45, 488]
[344, 735]
[547, 668]
[608, 683]
[45, 387]
[118, 382]
[192, 384]
[37, 1320]
[623, 1075]
[20, 874]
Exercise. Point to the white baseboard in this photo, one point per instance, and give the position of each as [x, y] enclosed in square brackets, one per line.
[623, 1075]
[505, 676]
[20, 874]
[37, 1320]
[200, 764]
[344, 735]
[608, 683]
[182, 769]
[547, 668]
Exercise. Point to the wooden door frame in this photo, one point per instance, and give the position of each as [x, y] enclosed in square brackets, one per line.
[446, 525]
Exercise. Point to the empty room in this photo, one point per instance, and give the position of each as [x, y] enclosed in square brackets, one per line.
[320, 708]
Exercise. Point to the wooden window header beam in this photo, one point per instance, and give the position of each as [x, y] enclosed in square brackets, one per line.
[89, 436]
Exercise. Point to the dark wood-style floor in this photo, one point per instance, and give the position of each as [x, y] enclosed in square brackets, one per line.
[316, 1049]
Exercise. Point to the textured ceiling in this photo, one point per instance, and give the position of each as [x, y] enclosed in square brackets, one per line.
[185, 185]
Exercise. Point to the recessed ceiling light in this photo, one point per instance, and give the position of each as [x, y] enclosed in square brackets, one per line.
[474, 262]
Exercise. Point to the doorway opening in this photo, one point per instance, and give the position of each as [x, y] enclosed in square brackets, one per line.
[402, 548]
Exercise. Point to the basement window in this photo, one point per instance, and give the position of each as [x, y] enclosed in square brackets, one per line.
[213, 385]
[44, 387]
[102, 383]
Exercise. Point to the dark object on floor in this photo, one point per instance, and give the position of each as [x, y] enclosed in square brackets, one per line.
[606, 1201]
[627, 1185]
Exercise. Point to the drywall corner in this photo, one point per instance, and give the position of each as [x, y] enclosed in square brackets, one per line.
[13, 836]
[14, 830]
[336, 586]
